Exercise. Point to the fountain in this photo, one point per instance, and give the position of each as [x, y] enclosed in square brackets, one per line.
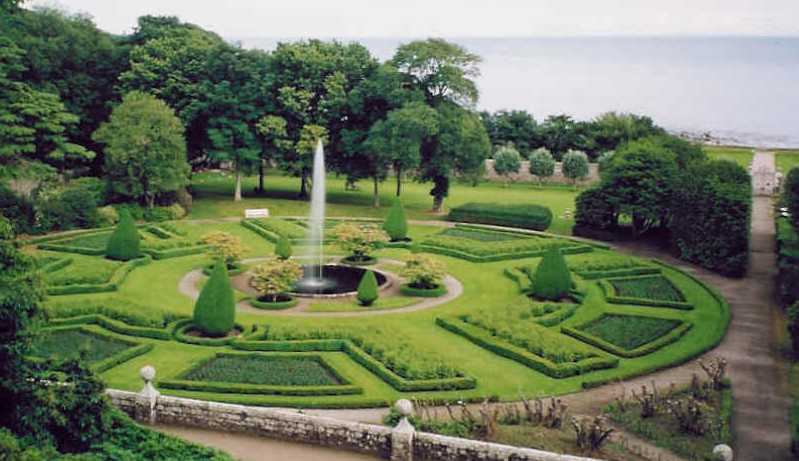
[320, 279]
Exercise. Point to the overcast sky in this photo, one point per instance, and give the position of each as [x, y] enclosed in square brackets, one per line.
[453, 18]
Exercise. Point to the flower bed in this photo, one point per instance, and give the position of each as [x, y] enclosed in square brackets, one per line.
[629, 335]
[652, 291]
[438, 290]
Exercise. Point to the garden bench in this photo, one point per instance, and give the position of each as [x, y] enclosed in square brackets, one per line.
[256, 213]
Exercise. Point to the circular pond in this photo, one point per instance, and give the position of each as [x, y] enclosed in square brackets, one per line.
[336, 280]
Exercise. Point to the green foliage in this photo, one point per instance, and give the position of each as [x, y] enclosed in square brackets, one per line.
[279, 227]
[552, 279]
[793, 326]
[283, 248]
[507, 161]
[787, 262]
[215, 309]
[258, 369]
[656, 288]
[275, 276]
[612, 129]
[124, 243]
[559, 134]
[542, 163]
[359, 241]
[73, 343]
[66, 209]
[534, 217]
[629, 331]
[604, 160]
[224, 246]
[480, 235]
[470, 249]
[516, 127]
[422, 271]
[17, 209]
[575, 165]
[396, 225]
[84, 270]
[145, 149]
[367, 289]
[790, 194]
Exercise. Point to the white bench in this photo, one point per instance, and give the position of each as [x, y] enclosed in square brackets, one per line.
[256, 213]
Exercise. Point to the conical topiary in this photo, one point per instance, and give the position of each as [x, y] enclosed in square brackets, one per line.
[283, 248]
[215, 309]
[367, 289]
[123, 245]
[396, 225]
[552, 279]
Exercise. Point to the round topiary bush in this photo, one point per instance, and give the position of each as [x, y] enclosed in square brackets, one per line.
[283, 248]
[124, 243]
[396, 224]
[367, 289]
[215, 309]
[552, 280]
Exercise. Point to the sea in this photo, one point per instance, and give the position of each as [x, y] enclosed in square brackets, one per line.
[729, 90]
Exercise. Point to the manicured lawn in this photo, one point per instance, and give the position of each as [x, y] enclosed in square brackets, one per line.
[353, 306]
[787, 160]
[740, 155]
[411, 343]
[213, 198]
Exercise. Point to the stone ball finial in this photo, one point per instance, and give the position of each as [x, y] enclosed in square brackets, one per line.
[404, 407]
[722, 453]
[147, 373]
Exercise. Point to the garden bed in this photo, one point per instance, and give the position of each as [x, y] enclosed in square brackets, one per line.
[475, 250]
[282, 302]
[629, 335]
[438, 290]
[645, 290]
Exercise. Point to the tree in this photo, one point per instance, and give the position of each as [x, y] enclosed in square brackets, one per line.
[274, 139]
[422, 271]
[396, 224]
[215, 309]
[604, 160]
[612, 129]
[552, 280]
[559, 133]
[507, 162]
[575, 165]
[275, 277]
[367, 289]
[301, 163]
[515, 127]
[283, 248]
[791, 194]
[123, 245]
[223, 246]
[359, 241]
[542, 164]
[145, 149]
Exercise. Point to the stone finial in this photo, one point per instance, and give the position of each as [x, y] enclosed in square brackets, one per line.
[404, 407]
[147, 374]
[402, 435]
[722, 453]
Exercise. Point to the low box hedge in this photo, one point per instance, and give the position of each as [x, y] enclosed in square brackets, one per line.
[276, 306]
[120, 358]
[625, 272]
[787, 262]
[439, 290]
[504, 349]
[471, 257]
[114, 325]
[182, 326]
[554, 318]
[648, 348]
[175, 252]
[526, 216]
[610, 296]
[237, 269]
[55, 265]
[112, 285]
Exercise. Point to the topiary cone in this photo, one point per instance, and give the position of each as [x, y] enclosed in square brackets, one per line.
[396, 225]
[367, 289]
[552, 279]
[283, 248]
[124, 243]
[215, 309]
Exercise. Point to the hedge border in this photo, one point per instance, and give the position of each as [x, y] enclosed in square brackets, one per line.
[239, 268]
[489, 213]
[534, 233]
[278, 306]
[180, 383]
[618, 273]
[471, 257]
[179, 334]
[439, 290]
[175, 252]
[114, 325]
[369, 261]
[670, 337]
[361, 357]
[113, 284]
[565, 312]
[56, 265]
[726, 317]
[502, 348]
[135, 349]
[609, 292]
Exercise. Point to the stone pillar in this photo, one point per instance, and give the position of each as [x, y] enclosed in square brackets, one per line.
[148, 396]
[402, 435]
[722, 453]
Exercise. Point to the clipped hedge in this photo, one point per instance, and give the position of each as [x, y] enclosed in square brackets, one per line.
[611, 296]
[351, 260]
[396, 224]
[552, 280]
[439, 290]
[180, 333]
[120, 358]
[114, 325]
[57, 264]
[112, 285]
[274, 306]
[134, 349]
[534, 217]
[787, 262]
[215, 308]
[125, 242]
[625, 272]
[175, 252]
[502, 348]
[480, 253]
[669, 338]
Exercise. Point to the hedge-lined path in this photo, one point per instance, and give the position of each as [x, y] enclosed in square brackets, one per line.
[764, 173]
[188, 286]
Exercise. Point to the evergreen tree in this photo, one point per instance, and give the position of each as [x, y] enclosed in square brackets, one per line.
[367, 289]
[283, 248]
[124, 243]
[215, 309]
[552, 280]
[396, 224]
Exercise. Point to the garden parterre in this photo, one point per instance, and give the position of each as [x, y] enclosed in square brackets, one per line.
[387, 357]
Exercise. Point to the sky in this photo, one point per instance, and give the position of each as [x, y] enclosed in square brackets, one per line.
[241, 19]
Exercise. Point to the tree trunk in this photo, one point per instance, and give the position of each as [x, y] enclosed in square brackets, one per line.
[438, 202]
[304, 185]
[399, 181]
[261, 176]
[237, 193]
[376, 194]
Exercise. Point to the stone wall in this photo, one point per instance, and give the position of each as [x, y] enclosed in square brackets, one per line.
[525, 176]
[402, 443]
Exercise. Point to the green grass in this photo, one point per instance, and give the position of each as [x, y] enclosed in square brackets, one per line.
[407, 339]
[269, 370]
[62, 344]
[655, 287]
[479, 236]
[84, 269]
[213, 198]
[394, 302]
[787, 160]
[629, 331]
[740, 155]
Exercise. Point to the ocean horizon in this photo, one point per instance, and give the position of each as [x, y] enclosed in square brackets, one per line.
[741, 90]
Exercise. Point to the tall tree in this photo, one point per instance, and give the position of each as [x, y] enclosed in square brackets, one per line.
[275, 143]
[144, 147]
[517, 127]
[559, 133]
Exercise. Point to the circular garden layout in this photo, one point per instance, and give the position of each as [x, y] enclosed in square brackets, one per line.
[627, 316]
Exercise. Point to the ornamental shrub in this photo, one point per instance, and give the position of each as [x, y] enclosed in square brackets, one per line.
[124, 243]
[65, 209]
[604, 159]
[552, 280]
[530, 216]
[215, 309]
[542, 164]
[396, 224]
[367, 289]
[422, 271]
[17, 209]
[283, 248]
[224, 246]
[793, 326]
[275, 276]
[359, 241]
[507, 161]
[575, 165]
[791, 195]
